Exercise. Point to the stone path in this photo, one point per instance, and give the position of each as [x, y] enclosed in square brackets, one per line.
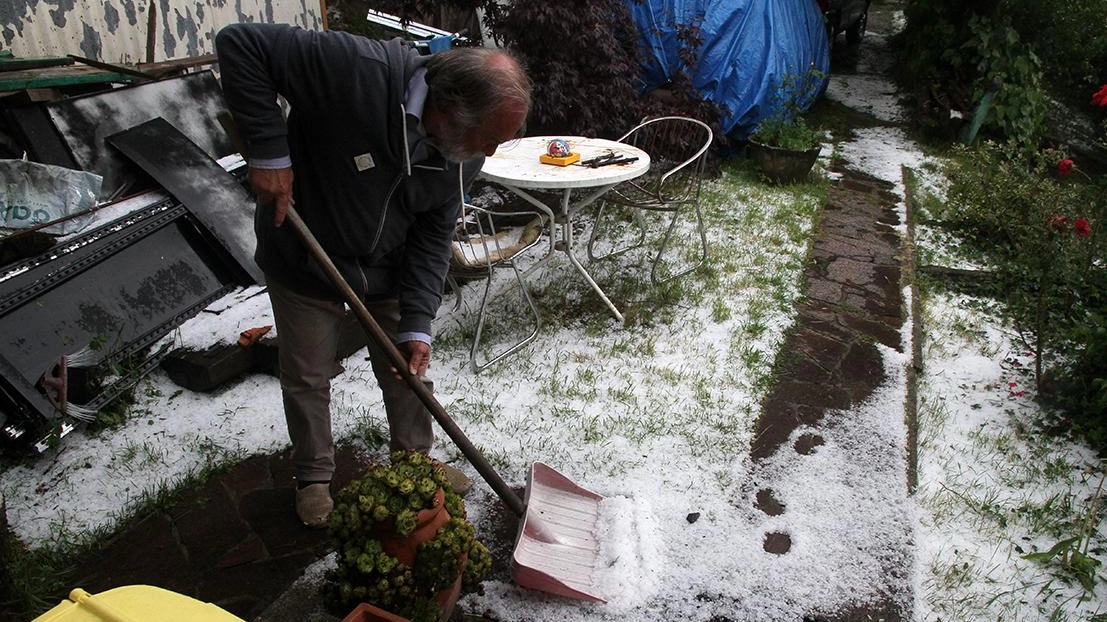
[852, 301]
[233, 542]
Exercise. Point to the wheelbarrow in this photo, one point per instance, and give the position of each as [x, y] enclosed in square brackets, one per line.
[556, 549]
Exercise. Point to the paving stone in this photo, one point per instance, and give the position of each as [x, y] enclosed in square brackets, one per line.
[862, 370]
[246, 590]
[824, 291]
[146, 553]
[804, 369]
[777, 543]
[815, 394]
[885, 329]
[827, 323]
[780, 417]
[250, 550]
[208, 523]
[249, 475]
[280, 469]
[851, 271]
[806, 444]
[272, 516]
[838, 245]
[818, 347]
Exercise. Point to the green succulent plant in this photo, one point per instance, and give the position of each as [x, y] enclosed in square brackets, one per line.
[387, 501]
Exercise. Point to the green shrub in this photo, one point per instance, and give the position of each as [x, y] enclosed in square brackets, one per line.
[1006, 66]
[1079, 384]
[951, 53]
[795, 135]
[1070, 39]
[786, 127]
[1042, 232]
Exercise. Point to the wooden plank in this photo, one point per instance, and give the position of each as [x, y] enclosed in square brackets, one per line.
[19, 64]
[110, 67]
[169, 67]
[58, 76]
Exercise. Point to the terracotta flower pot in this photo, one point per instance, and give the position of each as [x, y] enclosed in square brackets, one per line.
[783, 166]
[428, 522]
[446, 600]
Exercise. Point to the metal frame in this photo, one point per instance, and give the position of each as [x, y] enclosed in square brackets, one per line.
[678, 151]
[61, 301]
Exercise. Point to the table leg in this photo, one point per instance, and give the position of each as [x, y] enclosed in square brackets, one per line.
[564, 242]
[567, 235]
[545, 209]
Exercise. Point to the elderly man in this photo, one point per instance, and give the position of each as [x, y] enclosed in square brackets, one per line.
[378, 143]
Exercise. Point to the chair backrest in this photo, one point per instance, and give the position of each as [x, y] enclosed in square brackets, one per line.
[678, 153]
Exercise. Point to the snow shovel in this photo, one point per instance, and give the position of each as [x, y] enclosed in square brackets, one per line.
[556, 549]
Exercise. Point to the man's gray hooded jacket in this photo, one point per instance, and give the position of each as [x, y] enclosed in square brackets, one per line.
[388, 230]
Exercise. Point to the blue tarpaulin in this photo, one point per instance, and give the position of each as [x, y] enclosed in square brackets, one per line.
[749, 49]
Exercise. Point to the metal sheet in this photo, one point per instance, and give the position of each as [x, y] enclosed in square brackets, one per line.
[217, 199]
[33, 129]
[193, 103]
[122, 286]
[117, 31]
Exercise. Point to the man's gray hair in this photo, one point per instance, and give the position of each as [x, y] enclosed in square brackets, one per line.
[476, 82]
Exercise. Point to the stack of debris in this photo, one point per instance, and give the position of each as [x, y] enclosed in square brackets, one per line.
[86, 295]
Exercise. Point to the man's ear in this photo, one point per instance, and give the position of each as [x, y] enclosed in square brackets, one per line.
[436, 115]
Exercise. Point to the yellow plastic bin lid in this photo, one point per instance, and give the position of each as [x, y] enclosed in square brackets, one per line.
[134, 603]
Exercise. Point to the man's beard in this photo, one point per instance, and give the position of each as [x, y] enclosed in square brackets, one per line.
[450, 145]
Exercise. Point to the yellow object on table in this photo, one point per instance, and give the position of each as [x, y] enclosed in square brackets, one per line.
[559, 161]
[134, 603]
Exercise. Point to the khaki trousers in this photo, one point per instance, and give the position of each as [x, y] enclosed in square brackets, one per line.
[307, 335]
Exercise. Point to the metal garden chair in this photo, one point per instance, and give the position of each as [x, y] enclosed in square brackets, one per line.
[678, 153]
[481, 247]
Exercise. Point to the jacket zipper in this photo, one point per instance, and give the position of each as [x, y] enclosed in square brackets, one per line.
[380, 226]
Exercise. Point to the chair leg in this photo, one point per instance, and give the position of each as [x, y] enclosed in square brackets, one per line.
[659, 258]
[474, 362]
[597, 225]
[455, 287]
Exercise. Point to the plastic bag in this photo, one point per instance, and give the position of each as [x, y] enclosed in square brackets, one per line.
[33, 193]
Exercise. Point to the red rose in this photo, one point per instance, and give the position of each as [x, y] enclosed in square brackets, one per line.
[1100, 98]
[1057, 223]
[1082, 227]
[1064, 167]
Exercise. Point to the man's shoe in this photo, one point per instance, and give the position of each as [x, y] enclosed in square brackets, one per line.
[314, 504]
[459, 482]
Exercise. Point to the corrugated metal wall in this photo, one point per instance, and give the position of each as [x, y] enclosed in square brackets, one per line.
[115, 31]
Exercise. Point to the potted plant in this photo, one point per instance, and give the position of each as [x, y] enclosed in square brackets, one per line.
[405, 550]
[784, 145]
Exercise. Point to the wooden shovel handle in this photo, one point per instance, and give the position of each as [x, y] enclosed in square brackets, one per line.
[381, 339]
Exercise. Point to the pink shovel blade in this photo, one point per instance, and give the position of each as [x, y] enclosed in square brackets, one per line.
[557, 550]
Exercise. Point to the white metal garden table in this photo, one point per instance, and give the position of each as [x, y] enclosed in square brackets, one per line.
[516, 167]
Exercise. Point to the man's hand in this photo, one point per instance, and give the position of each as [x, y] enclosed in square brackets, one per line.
[273, 185]
[418, 356]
